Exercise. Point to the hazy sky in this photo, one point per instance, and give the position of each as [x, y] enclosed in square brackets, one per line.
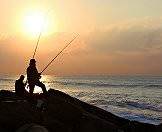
[116, 36]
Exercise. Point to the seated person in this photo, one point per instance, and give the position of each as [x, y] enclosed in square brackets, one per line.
[20, 86]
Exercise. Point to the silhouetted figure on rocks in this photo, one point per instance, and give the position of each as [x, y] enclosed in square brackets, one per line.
[33, 77]
[20, 86]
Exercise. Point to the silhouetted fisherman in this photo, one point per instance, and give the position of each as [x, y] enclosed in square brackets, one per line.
[33, 77]
[20, 86]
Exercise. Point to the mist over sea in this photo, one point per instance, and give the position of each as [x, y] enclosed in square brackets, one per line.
[133, 97]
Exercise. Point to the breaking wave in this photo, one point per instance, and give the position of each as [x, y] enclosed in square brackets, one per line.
[144, 106]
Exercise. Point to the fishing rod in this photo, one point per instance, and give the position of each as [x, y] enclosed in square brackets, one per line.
[58, 54]
[36, 47]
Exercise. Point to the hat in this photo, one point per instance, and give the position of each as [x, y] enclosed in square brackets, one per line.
[32, 61]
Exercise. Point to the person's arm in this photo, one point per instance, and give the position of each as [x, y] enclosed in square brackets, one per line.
[28, 72]
[37, 74]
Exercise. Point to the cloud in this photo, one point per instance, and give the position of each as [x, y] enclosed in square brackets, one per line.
[132, 36]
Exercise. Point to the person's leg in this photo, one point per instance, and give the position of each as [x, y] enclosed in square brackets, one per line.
[40, 84]
[31, 88]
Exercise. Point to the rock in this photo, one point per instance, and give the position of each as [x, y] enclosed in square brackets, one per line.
[32, 128]
[59, 112]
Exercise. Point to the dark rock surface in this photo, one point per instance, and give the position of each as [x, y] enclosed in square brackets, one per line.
[59, 112]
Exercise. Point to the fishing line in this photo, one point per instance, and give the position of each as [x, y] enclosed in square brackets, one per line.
[40, 34]
[59, 54]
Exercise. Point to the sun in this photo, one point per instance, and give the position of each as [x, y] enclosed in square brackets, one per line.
[35, 22]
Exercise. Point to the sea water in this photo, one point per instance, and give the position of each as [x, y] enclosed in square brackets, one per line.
[132, 97]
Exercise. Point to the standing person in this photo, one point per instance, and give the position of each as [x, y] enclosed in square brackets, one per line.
[20, 86]
[33, 77]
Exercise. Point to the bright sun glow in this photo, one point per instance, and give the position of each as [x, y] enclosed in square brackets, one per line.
[35, 23]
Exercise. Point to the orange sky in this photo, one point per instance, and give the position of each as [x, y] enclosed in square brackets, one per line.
[116, 36]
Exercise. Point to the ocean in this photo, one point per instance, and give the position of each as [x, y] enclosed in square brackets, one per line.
[136, 98]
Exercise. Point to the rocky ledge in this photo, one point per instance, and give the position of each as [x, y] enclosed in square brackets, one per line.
[59, 112]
